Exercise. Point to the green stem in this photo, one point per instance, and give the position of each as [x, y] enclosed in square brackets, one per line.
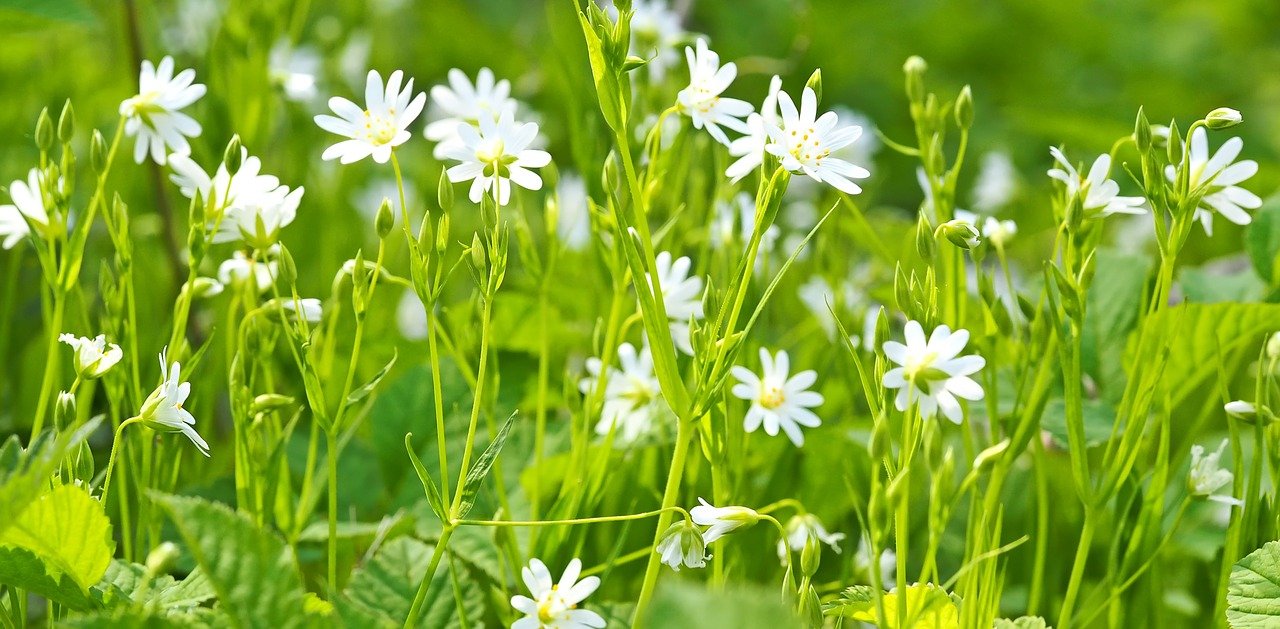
[421, 596]
[684, 438]
[1077, 571]
[332, 449]
[52, 356]
[111, 459]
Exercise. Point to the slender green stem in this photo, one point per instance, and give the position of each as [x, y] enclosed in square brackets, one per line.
[1077, 571]
[685, 434]
[52, 359]
[111, 459]
[420, 597]
[591, 520]
[332, 450]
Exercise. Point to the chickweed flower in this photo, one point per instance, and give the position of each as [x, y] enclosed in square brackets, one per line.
[960, 233]
[240, 268]
[932, 373]
[380, 126]
[800, 528]
[701, 100]
[1206, 475]
[804, 142]
[94, 356]
[245, 198]
[1219, 176]
[162, 411]
[998, 232]
[632, 397]
[682, 545]
[721, 521]
[26, 210]
[496, 156]
[682, 296]
[750, 148]
[1240, 409]
[308, 309]
[1099, 196]
[554, 605]
[778, 400]
[153, 116]
[462, 103]
[258, 220]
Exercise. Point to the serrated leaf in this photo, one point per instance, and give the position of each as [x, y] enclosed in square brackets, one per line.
[428, 484]
[192, 591]
[1202, 335]
[22, 568]
[367, 388]
[381, 592]
[480, 470]
[252, 571]
[29, 478]
[68, 529]
[1262, 239]
[1114, 301]
[928, 607]
[1253, 591]
[144, 618]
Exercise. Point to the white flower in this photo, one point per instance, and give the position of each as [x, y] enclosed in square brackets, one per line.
[802, 527]
[94, 356]
[554, 605]
[749, 149]
[778, 400]
[721, 521]
[1098, 195]
[804, 142]
[27, 209]
[1220, 177]
[295, 70]
[154, 115]
[1240, 409]
[701, 100]
[736, 220]
[632, 396]
[681, 295]
[573, 212]
[997, 231]
[462, 103]
[240, 267]
[932, 373]
[887, 565]
[1206, 476]
[245, 198]
[258, 220]
[380, 126]
[682, 545]
[496, 156]
[996, 182]
[162, 411]
[309, 309]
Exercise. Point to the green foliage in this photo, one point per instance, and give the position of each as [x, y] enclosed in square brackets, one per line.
[928, 607]
[381, 591]
[1203, 337]
[1253, 593]
[687, 605]
[70, 533]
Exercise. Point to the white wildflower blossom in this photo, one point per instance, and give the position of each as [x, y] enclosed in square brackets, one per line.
[154, 115]
[931, 373]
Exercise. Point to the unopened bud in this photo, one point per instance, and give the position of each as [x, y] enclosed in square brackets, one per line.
[989, 455]
[815, 83]
[1241, 409]
[444, 191]
[386, 219]
[1175, 144]
[288, 270]
[915, 68]
[205, 287]
[270, 402]
[442, 235]
[960, 233]
[1223, 118]
[1142, 131]
[233, 156]
[811, 555]
[67, 123]
[97, 152]
[64, 411]
[924, 238]
[477, 253]
[964, 108]
[160, 560]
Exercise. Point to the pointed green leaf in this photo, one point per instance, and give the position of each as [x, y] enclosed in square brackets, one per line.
[429, 484]
[22, 568]
[480, 471]
[365, 389]
[381, 592]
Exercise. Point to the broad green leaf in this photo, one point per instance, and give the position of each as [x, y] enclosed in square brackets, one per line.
[381, 592]
[428, 484]
[1114, 301]
[683, 604]
[1208, 286]
[143, 618]
[254, 574]
[1203, 335]
[68, 529]
[192, 591]
[1099, 418]
[480, 470]
[928, 607]
[22, 568]
[25, 482]
[1262, 239]
[1253, 591]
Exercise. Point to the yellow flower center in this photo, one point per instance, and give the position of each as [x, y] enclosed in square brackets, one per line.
[377, 129]
[771, 396]
[806, 147]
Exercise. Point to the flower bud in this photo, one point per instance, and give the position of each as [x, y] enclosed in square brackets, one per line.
[882, 328]
[960, 233]
[815, 83]
[1142, 132]
[270, 402]
[97, 152]
[1175, 143]
[1223, 118]
[989, 455]
[442, 235]
[64, 410]
[633, 62]
[233, 156]
[964, 108]
[477, 253]
[810, 556]
[205, 287]
[44, 131]
[288, 270]
[915, 68]
[67, 123]
[386, 219]
[1241, 409]
[444, 191]
[160, 560]
[609, 173]
[924, 238]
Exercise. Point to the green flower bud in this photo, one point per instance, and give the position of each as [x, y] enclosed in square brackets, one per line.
[815, 83]
[960, 233]
[288, 270]
[633, 62]
[205, 287]
[233, 156]
[609, 173]
[987, 457]
[915, 68]
[442, 235]
[882, 329]
[964, 108]
[924, 238]
[1142, 132]
[477, 253]
[44, 131]
[444, 191]
[1175, 143]
[270, 402]
[386, 219]
[811, 556]
[67, 123]
[97, 152]
[160, 560]
[64, 410]
[1223, 118]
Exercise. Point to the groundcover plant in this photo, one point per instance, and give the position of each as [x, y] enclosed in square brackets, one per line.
[638, 333]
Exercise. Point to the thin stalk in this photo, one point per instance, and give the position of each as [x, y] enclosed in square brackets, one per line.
[1077, 571]
[684, 437]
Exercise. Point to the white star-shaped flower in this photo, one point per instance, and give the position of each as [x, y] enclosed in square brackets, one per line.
[380, 126]
[932, 372]
[778, 400]
[495, 156]
[1223, 196]
[701, 100]
[805, 143]
[154, 115]
[1099, 196]
[555, 605]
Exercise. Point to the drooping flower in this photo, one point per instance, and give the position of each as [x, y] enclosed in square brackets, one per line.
[681, 296]
[462, 103]
[309, 309]
[154, 115]
[380, 126]
[240, 268]
[94, 356]
[632, 397]
[932, 373]
[721, 521]
[750, 148]
[1099, 195]
[799, 529]
[26, 210]
[496, 156]
[573, 212]
[555, 605]
[777, 399]
[1207, 476]
[1220, 175]
[804, 142]
[701, 100]
[162, 411]
[682, 545]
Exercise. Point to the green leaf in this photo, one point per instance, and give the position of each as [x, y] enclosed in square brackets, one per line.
[1253, 591]
[480, 470]
[189, 592]
[29, 478]
[253, 572]
[1114, 301]
[1262, 239]
[22, 568]
[381, 592]
[144, 618]
[68, 529]
[367, 388]
[685, 604]
[1207, 285]
[928, 607]
[1202, 336]
[428, 484]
